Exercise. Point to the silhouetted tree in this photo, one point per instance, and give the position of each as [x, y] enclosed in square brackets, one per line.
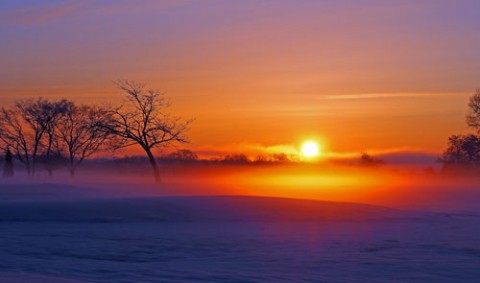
[15, 135]
[463, 151]
[22, 128]
[142, 120]
[81, 132]
[462, 154]
[8, 165]
[52, 157]
[473, 116]
[39, 114]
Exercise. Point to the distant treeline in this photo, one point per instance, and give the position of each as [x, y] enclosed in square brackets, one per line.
[185, 156]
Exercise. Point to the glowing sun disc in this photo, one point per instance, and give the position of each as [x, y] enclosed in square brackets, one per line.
[310, 149]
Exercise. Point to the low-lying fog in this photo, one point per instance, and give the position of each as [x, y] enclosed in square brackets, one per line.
[403, 188]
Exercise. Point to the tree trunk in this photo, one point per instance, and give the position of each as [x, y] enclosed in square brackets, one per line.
[72, 168]
[50, 170]
[153, 163]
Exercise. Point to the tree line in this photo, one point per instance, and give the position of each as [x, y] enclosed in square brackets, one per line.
[50, 132]
[59, 132]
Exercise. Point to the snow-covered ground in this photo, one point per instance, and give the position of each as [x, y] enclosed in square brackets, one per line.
[59, 233]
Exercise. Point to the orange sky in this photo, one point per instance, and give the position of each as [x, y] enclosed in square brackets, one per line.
[356, 75]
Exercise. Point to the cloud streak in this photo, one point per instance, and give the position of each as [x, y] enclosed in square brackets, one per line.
[146, 5]
[37, 14]
[387, 95]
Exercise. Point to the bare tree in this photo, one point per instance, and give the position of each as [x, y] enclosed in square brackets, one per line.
[81, 132]
[142, 120]
[473, 116]
[15, 135]
[462, 154]
[38, 114]
[52, 156]
[24, 126]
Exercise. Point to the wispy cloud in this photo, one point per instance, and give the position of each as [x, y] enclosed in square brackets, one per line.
[45, 13]
[387, 95]
[37, 14]
[128, 6]
[381, 152]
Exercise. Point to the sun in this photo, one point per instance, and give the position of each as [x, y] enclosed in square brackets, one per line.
[310, 149]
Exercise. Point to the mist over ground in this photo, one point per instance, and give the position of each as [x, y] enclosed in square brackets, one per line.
[402, 188]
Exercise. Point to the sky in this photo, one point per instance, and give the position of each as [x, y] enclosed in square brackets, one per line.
[376, 76]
